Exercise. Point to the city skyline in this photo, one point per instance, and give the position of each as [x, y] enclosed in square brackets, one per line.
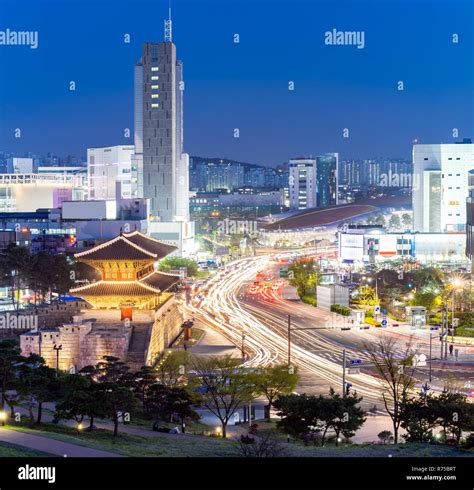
[243, 85]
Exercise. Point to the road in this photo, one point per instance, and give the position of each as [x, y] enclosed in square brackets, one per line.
[263, 320]
[265, 334]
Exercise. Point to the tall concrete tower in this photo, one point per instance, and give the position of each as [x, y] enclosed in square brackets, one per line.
[160, 168]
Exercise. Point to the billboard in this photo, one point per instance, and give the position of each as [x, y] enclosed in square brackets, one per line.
[388, 245]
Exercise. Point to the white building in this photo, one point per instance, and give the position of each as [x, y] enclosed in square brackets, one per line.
[302, 182]
[29, 192]
[109, 173]
[440, 186]
[20, 165]
[358, 246]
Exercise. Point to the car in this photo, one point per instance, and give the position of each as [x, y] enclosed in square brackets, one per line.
[162, 428]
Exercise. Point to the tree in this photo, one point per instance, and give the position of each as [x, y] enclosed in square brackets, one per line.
[418, 417]
[118, 401]
[174, 263]
[37, 383]
[429, 299]
[166, 402]
[395, 221]
[115, 388]
[80, 399]
[385, 437]
[143, 383]
[380, 220]
[453, 413]
[171, 371]
[275, 381]
[14, 268]
[304, 275]
[341, 414]
[406, 220]
[225, 386]
[364, 297]
[9, 358]
[395, 366]
[299, 413]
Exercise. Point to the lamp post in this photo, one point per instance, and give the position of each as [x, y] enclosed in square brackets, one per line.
[57, 348]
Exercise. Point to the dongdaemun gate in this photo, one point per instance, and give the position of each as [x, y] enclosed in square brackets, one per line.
[132, 311]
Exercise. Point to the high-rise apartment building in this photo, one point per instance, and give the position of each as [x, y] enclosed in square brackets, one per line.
[327, 167]
[440, 186]
[302, 183]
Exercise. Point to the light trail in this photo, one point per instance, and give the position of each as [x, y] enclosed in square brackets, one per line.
[265, 334]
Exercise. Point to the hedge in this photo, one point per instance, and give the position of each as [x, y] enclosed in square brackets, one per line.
[342, 310]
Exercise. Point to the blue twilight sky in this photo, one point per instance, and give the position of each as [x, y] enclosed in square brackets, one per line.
[243, 85]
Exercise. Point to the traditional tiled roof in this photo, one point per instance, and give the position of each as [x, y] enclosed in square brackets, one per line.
[161, 280]
[116, 288]
[132, 246]
[161, 249]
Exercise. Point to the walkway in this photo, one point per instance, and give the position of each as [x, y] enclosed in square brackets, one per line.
[52, 446]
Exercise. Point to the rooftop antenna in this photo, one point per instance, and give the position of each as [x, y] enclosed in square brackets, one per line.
[168, 26]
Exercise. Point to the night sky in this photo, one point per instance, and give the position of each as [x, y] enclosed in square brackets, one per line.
[243, 85]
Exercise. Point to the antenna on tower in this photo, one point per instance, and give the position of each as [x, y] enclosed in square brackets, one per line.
[168, 26]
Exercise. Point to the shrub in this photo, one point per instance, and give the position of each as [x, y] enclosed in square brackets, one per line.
[310, 300]
[342, 310]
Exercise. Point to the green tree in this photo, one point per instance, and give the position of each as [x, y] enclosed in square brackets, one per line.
[380, 220]
[453, 413]
[406, 220]
[364, 297]
[143, 383]
[418, 417]
[298, 413]
[304, 274]
[80, 399]
[174, 263]
[14, 269]
[275, 381]
[171, 371]
[342, 414]
[38, 384]
[226, 386]
[395, 221]
[10, 356]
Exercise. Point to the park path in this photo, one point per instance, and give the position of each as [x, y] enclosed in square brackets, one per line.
[52, 446]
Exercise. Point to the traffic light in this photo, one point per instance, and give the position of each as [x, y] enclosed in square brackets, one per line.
[348, 388]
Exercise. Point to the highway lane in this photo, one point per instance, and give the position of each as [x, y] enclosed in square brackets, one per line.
[265, 335]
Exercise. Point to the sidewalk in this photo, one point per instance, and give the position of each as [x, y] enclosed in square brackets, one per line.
[52, 446]
[213, 343]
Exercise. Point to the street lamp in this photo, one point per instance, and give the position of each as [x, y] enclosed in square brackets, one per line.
[57, 348]
[457, 285]
[3, 417]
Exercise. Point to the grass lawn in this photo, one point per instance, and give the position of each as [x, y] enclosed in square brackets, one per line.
[8, 450]
[138, 446]
[412, 450]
